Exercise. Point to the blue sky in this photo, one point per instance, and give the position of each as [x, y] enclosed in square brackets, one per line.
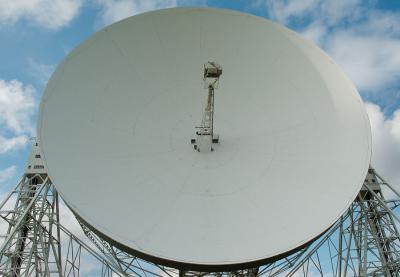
[363, 37]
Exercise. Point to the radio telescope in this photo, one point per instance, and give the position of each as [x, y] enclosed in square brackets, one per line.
[120, 139]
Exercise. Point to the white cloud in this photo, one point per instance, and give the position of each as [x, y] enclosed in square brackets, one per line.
[283, 11]
[330, 12]
[369, 54]
[49, 14]
[385, 144]
[17, 107]
[366, 44]
[7, 173]
[13, 143]
[363, 40]
[379, 22]
[40, 71]
[114, 10]
[315, 32]
[334, 11]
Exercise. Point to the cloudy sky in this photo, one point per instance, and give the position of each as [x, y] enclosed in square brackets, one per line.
[363, 37]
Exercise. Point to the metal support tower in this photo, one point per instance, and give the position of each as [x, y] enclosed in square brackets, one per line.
[32, 241]
[31, 230]
[364, 242]
[205, 136]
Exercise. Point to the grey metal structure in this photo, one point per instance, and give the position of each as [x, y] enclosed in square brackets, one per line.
[205, 132]
[364, 242]
[31, 242]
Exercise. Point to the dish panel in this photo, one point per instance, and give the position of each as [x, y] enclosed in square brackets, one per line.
[118, 115]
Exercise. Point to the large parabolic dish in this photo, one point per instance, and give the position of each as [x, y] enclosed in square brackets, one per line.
[118, 115]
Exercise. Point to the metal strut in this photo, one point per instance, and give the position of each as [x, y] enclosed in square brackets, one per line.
[205, 136]
[365, 242]
[31, 243]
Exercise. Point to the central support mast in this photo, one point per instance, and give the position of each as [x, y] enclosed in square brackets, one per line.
[205, 132]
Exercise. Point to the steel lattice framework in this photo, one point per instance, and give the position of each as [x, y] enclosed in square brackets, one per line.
[364, 242]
